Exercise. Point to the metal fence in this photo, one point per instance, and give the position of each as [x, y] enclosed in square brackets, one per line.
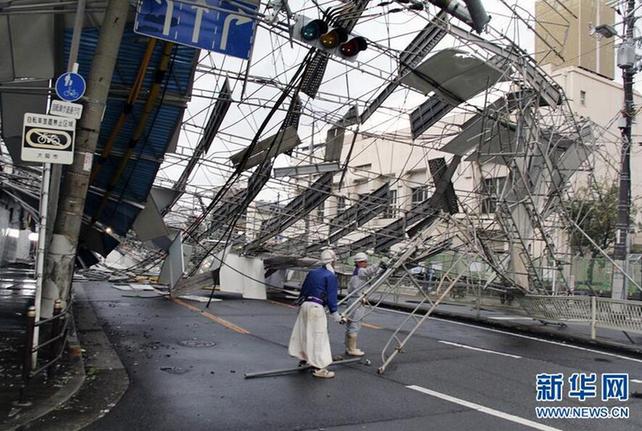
[597, 312]
[584, 274]
[48, 352]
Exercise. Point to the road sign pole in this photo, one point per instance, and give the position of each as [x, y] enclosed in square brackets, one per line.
[40, 254]
[72, 64]
[75, 38]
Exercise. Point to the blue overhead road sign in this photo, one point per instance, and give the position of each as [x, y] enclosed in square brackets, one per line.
[70, 86]
[215, 25]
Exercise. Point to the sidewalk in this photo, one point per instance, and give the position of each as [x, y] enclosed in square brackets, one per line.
[106, 378]
[17, 289]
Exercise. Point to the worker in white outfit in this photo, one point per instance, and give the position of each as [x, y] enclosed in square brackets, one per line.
[309, 340]
[360, 276]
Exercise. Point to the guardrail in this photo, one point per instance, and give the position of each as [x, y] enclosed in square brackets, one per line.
[52, 349]
[598, 312]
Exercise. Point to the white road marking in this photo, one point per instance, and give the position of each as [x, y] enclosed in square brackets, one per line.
[479, 349]
[635, 381]
[483, 409]
[541, 340]
[510, 318]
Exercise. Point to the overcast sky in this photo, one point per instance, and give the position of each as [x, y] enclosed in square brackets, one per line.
[274, 59]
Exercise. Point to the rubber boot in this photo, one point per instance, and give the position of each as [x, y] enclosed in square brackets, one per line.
[351, 345]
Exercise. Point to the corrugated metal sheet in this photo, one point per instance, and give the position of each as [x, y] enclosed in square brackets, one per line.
[135, 183]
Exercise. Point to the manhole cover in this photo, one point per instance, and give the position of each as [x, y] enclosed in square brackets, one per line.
[197, 343]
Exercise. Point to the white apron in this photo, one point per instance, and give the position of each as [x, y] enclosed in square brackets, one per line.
[309, 340]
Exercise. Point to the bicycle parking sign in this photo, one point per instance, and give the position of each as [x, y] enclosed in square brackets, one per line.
[70, 86]
[48, 139]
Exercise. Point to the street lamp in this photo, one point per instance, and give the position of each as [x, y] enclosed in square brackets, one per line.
[604, 30]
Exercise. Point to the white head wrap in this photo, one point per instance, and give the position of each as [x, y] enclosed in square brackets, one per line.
[327, 258]
[360, 257]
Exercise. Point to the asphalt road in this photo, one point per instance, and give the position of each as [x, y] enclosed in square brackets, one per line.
[186, 370]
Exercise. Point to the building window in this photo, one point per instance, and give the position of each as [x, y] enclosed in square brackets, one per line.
[583, 97]
[418, 195]
[341, 204]
[491, 190]
[321, 212]
[391, 210]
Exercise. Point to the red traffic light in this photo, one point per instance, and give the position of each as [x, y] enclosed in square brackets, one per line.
[353, 47]
[333, 38]
[312, 30]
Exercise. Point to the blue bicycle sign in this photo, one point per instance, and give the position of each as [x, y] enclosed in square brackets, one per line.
[70, 86]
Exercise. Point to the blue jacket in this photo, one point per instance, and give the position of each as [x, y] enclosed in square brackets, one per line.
[322, 284]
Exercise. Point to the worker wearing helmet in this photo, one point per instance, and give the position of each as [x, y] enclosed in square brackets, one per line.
[360, 276]
[309, 340]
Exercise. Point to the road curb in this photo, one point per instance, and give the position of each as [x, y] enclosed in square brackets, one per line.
[106, 378]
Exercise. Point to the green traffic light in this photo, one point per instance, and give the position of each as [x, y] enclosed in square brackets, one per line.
[312, 30]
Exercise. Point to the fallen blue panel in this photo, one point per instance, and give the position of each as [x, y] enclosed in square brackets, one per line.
[129, 191]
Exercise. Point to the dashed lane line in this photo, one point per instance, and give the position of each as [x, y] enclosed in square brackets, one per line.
[280, 303]
[479, 349]
[484, 409]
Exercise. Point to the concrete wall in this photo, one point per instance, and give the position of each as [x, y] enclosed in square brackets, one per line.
[564, 39]
[600, 99]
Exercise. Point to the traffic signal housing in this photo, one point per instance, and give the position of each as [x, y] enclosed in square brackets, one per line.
[313, 30]
[335, 40]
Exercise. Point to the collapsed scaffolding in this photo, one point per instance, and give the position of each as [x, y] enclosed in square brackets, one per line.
[501, 119]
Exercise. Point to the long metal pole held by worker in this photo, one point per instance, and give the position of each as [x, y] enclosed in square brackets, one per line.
[62, 252]
[626, 61]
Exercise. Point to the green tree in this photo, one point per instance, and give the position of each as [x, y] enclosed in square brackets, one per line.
[594, 210]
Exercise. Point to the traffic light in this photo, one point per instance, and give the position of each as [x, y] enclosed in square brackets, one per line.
[335, 40]
[353, 47]
[313, 30]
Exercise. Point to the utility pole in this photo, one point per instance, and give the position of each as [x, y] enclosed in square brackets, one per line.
[626, 59]
[52, 173]
[64, 243]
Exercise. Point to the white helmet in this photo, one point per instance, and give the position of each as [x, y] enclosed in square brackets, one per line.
[360, 257]
[328, 256]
